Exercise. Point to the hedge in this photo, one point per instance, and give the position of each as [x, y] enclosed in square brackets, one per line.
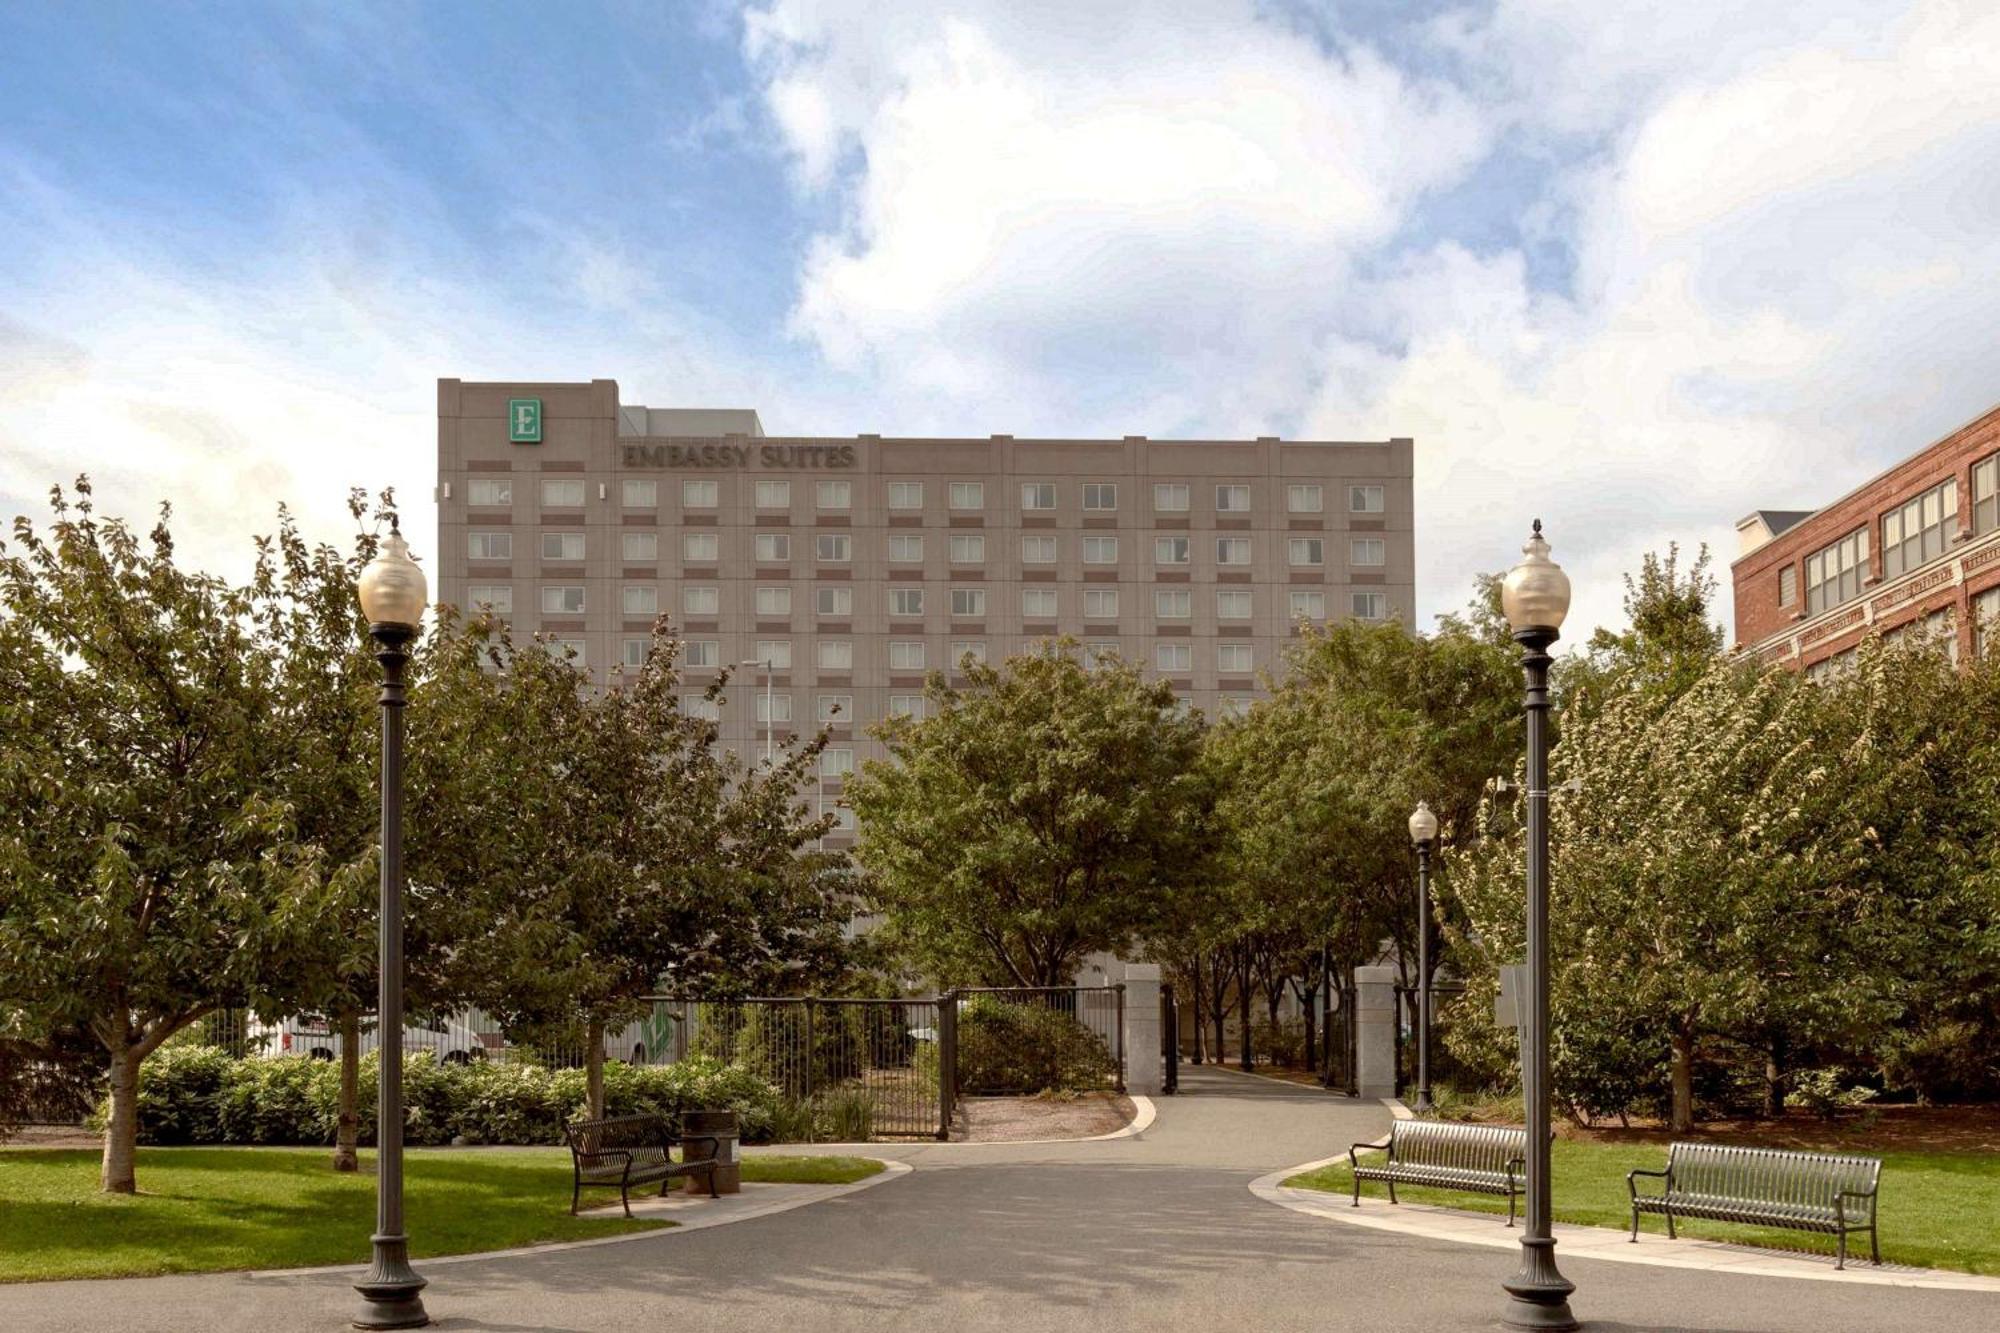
[1007, 1048]
[202, 1094]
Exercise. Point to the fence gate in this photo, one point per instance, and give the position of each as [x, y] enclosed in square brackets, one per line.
[1337, 1057]
[1170, 1041]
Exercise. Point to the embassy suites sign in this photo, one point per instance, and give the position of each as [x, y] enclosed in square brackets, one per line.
[739, 455]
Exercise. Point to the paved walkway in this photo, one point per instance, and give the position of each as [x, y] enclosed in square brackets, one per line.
[1155, 1232]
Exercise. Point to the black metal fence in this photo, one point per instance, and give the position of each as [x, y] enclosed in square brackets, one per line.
[1170, 1041]
[1339, 1036]
[1095, 1028]
[1446, 1071]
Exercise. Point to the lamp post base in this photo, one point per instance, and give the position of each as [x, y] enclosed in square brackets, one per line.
[391, 1293]
[1540, 1293]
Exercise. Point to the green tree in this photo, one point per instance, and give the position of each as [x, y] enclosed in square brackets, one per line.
[1043, 811]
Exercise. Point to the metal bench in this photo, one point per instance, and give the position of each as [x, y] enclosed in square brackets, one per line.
[1485, 1159]
[630, 1150]
[1770, 1187]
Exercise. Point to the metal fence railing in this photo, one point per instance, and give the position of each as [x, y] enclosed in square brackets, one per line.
[1095, 1014]
[1446, 1071]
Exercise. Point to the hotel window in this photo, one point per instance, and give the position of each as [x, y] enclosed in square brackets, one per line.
[570, 650]
[640, 494]
[907, 705]
[639, 548]
[968, 602]
[489, 545]
[1919, 532]
[1100, 550]
[1232, 499]
[1788, 585]
[906, 601]
[1038, 550]
[833, 548]
[774, 495]
[836, 762]
[968, 495]
[1173, 603]
[1173, 550]
[701, 653]
[489, 492]
[1232, 550]
[1367, 551]
[834, 601]
[1312, 550]
[773, 707]
[1100, 495]
[701, 601]
[1230, 707]
[1310, 605]
[495, 597]
[961, 649]
[906, 550]
[1100, 603]
[1038, 603]
[834, 655]
[1170, 497]
[1099, 653]
[562, 599]
[565, 494]
[835, 707]
[700, 494]
[1364, 499]
[906, 655]
[1173, 656]
[1834, 573]
[632, 652]
[1985, 608]
[968, 549]
[774, 599]
[1305, 499]
[1369, 605]
[834, 494]
[700, 548]
[773, 547]
[843, 819]
[701, 706]
[1986, 494]
[639, 599]
[562, 546]
[1233, 659]
[1038, 495]
[1232, 604]
[906, 495]
[774, 654]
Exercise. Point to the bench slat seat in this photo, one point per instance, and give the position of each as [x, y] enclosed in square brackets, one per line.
[630, 1150]
[1481, 1159]
[1802, 1191]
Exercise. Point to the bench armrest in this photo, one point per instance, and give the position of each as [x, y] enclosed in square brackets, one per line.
[1513, 1162]
[1840, 1202]
[1632, 1179]
[1353, 1162]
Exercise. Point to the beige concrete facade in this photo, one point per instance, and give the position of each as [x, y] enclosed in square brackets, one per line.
[871, 562]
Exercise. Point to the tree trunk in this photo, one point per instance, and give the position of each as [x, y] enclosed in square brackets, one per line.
[1245, 998]
[121, 1126]
[593, 1068]
[347, 1130]
[1774, 1078]
[1200, 1013]
[1683, 1069]
[1308, 998]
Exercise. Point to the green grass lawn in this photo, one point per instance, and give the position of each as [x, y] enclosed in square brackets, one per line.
[1937, 1209]
[210, 1209]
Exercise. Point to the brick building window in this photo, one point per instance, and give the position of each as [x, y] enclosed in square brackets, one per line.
[1788, 585]
[1985, 612]
[1918, 532]
[1986, 494]
[1834, 573]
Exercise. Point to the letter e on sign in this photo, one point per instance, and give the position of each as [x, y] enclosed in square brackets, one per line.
[524, 421]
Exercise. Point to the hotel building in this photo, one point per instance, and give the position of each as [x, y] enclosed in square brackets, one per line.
[844, 570]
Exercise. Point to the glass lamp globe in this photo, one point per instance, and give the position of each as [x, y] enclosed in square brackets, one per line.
[1423, 824]
[392, 587]
[1535, 593]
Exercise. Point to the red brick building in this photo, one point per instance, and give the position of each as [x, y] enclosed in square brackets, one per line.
[1915, 550]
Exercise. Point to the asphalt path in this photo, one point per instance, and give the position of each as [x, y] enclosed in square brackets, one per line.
[1155, 1232]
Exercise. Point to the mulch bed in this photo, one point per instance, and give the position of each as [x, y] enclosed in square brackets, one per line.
[1875, 1129]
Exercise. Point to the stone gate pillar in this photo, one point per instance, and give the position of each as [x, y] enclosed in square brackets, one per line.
[1375, 1025]
[1144, 1068]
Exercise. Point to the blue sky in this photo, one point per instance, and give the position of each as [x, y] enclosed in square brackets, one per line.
[1637, 274]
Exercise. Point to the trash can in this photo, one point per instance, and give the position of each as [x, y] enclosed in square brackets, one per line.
[724, 1127]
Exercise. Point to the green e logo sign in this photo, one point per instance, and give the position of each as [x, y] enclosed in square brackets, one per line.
[524, 421]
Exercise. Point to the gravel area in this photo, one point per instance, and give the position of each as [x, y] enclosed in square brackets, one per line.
[1019, 1119]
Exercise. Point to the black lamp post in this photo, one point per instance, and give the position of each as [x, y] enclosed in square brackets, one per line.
[393, 597]
[1535, 598]
[1423, 832]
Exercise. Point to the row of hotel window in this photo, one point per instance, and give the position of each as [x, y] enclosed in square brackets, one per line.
[1096, 496]
[643, 600]
[1913, 534]
[966, 548]
[1231, 659]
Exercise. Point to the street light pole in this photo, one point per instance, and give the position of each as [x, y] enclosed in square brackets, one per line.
[1535, 598]
[393, 596]
[1423, 832]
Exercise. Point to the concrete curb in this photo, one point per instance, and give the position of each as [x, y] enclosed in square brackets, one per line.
[1144, 1112]
[727, 1215]
[1583, 1242]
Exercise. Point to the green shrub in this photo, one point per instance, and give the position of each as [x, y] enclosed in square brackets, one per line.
[1283, 1045]
[1012, 1049]
[847, 1115]
[1827, 1093]
[178, 1091]
[793, 1121]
